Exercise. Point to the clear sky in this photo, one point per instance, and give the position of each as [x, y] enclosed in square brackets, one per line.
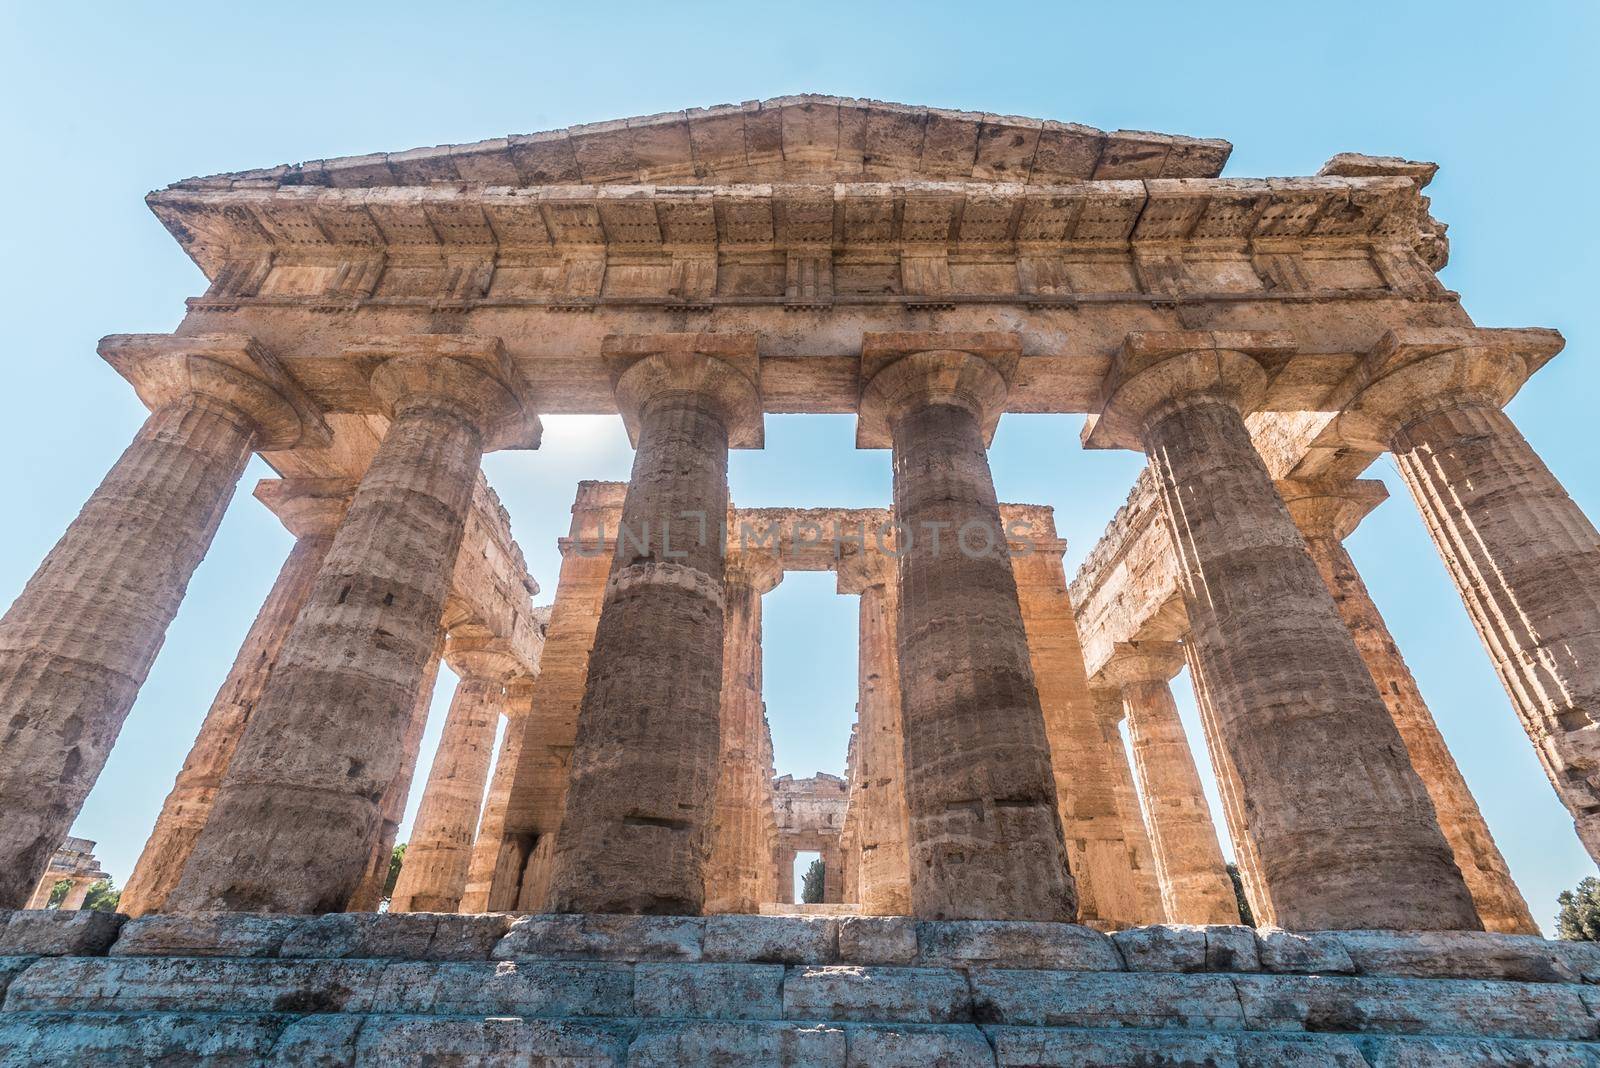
[106, 101]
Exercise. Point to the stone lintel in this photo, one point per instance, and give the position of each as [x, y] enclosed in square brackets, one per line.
[1360, 165]
[727, 367]
[975, 369]
[234, 368]
[497, 392]
[1332, 508]
[307, 507]
[1155, 367]
[1414, 371]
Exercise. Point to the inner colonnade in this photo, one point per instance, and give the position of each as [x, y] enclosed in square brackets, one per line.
[374, 326]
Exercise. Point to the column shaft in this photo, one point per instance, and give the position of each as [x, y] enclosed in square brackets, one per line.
[1142, 861]
[884, 879]
[1290, 691]
[634, 835]
[78, 642]
[188, 805]
[489, 847]
[1526, 561]
[985, 835]
[299, 811]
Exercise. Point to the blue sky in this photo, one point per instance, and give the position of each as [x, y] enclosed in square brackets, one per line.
[105, 103]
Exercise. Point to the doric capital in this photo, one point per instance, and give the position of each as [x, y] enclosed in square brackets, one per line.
[1418, 371]
[231, 369]
[481, 658]
[723, 368]
[307, 507]
[1159, 371]
[901, 372]
[1133, 663]
[862, 570]
[467, 370]
[1330, 509]
[758, 570]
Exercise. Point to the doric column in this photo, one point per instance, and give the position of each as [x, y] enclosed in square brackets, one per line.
[77, 895]
[1342, 827]
[1326, 514]
[1190, 871]
[434, 874]
[985, 835]
[311, 509]
[1141, 858]
[1524, 557]
[489, 845]
[299, 812]
[635, 833]
[738, 853]
[79, 640]
[883, 881]
[1099, 852]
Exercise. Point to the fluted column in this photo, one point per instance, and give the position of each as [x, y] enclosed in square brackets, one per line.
[1326, 514]
[1191, 873]
[489, 845]
[985, 835]
[1141, 856]
[635, 834]
[434, 874]
[883, 880]
[79, 640]
[1523, 556]
[1348, 838]
[311, 509]
[738, 853]
[300, 810]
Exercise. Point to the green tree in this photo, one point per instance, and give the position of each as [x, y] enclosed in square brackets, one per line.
[1246, 917]
[103, 896]
[811, 883]
[1579, 918]
[59, 892]
[397, 860]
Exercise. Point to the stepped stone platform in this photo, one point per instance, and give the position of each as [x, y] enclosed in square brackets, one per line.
[87, 988]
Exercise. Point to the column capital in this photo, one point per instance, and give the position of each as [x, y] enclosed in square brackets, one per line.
[724, 368]
[468, 370]
[1133, 663]
[1156, 371]
[1331, 508]
[481, 658]
[307, 507]
[758, 570]
[232, 369]
[860, 571]
[902, 371]
[1417, 371]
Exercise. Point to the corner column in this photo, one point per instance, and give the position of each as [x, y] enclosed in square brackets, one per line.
[1349, 839]
[300, 810]
[311, 509]
[79, 640]
[636, 830]
[985, 835]
[1523, 556]
[1190, 871]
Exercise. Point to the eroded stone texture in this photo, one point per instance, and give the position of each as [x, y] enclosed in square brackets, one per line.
[985, 834]
[79, 640]
[635, 833]
[738, 875]
[1195, 887]
[1293, 700]
[1524, 557]
[883, 880]
[311, 509]
[434, 874]
[1326, 514]
[299, 811]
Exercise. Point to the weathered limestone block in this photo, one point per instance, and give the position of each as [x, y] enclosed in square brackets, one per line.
[1014, 944]
[1288, 688]
[419, 1040]
[985, 834]
[311, 509]
[908, 1045]
[415, 936]
[1188, 948]
[71, 932]
[549, 989]
[853, 992]
[1193, 877]
[635, 832]
[740, 860]
[1094, 999]
[603, 936]
[709, 991]
[777, 939]
[204, 934]
[1524, 557]
[1303, 954]
[878, 940]
[434, 874]
[299, 811]
[1326, 514]
[717, 1042]
[79, 640]
[1457, 954]
[175, 1039]
[1049, 1047]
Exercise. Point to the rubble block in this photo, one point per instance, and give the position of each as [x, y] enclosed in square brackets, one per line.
[57, 932]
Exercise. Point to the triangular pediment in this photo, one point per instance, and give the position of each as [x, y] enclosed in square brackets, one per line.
[797, 139]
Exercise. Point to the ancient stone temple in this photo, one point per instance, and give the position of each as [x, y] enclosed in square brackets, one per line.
[1021, 863]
